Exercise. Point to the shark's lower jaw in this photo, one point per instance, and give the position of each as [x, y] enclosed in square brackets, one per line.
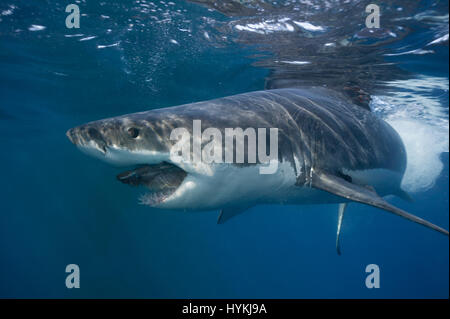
[155, 198]
[161, 179]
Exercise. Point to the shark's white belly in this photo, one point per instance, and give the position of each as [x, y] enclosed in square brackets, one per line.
[225, 185]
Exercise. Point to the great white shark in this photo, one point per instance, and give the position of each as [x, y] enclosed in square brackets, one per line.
[329, 151]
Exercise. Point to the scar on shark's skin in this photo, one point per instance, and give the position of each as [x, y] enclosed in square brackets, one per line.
[329, 151]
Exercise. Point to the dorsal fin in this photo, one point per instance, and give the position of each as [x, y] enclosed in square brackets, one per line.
[358, 96]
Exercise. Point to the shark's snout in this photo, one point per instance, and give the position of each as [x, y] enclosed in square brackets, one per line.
[72, 136]
[86, 136]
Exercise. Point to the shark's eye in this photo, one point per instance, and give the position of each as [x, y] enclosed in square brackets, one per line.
[133, 132]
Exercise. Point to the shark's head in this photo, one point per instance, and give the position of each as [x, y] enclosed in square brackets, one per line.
[123, 141]
[138, 143]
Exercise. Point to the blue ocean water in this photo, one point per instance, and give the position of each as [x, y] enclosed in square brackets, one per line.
[60, 207]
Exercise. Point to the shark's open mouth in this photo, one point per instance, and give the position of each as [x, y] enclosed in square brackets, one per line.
[161, 179]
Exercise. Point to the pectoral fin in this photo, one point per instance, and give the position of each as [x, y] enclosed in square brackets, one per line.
[227, 213]
[340, 187]
[342, 208]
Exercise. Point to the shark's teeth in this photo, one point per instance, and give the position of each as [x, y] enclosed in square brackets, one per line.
[152, 199]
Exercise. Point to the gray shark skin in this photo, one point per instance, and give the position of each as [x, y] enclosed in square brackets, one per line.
[329, 151]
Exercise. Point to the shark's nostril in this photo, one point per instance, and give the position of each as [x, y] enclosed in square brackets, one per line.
[94, 134]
